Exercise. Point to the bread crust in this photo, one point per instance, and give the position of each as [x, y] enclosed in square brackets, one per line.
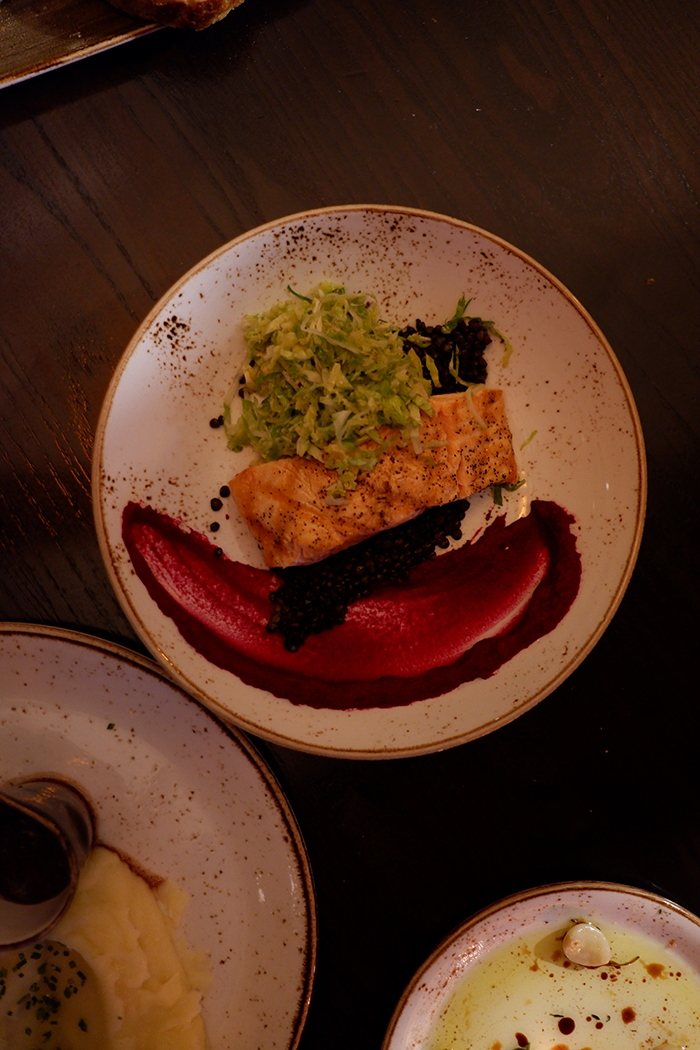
[181, 14]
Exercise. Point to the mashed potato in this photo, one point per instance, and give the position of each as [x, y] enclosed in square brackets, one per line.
[115, 975]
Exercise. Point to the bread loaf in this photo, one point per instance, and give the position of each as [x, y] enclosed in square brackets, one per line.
[182, 14]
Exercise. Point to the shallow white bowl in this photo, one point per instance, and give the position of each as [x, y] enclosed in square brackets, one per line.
[530, 999]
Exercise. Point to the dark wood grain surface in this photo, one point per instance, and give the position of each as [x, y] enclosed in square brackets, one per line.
[571, 128]
[40, 35]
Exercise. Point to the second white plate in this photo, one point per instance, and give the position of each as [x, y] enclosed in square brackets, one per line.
[186, 799]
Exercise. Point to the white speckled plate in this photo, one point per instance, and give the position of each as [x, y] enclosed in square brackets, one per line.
[187, 799]
[563, 382]
[501, 979]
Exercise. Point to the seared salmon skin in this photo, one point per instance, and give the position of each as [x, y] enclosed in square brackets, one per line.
[465, 447]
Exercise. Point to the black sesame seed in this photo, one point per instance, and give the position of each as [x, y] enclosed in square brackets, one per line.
[218, 551]
[216, 503]
[215, 526]
[224, 491]
[217, 422]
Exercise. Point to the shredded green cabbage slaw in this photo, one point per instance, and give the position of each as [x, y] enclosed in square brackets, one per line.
[325, 374]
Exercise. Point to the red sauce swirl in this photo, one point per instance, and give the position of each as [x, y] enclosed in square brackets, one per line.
[459, 617]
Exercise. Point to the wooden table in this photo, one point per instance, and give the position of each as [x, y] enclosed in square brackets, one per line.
[569, 128]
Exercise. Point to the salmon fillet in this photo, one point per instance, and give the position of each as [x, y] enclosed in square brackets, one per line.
[283, 501]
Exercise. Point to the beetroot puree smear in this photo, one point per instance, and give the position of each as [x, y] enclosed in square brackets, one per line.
[459, 617]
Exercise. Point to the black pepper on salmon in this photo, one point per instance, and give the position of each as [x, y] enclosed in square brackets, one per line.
[463, 447]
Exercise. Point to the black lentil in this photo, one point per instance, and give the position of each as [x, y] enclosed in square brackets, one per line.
[462, 348]
[314, 598]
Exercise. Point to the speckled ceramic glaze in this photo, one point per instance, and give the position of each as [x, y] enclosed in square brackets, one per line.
[547, 991]
[575, 426]
[184, 798]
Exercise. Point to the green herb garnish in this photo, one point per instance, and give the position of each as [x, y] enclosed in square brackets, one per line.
[498, 491]
[44, 986]
[449, 326]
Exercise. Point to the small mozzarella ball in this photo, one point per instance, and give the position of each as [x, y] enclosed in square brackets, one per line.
[586, 945]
